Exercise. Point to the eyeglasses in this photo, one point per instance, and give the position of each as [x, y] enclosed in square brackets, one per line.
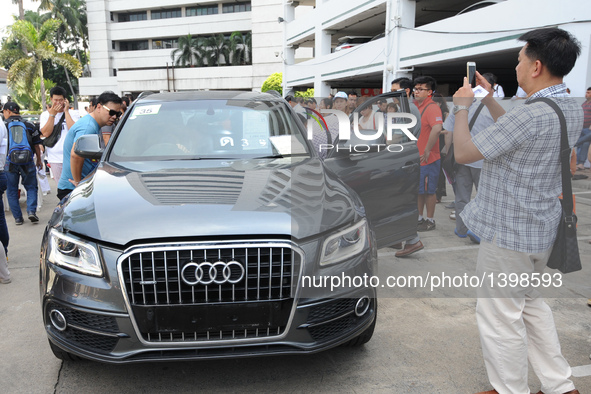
[419, 89]
[112, 112]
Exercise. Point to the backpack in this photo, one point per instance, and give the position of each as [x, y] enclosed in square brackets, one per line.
[19, 150]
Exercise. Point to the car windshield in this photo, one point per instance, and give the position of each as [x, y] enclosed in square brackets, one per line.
[208, 129]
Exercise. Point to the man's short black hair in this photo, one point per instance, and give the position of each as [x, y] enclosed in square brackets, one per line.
[404, 83]
[108, 97]
[589, 88]
[426, 80]
[289, 98]
[352, 93]
[490, 77]
[58, 91]
[555, 48]
[125, 99]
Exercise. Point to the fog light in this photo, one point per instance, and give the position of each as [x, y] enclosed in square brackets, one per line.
[362, 306]
[58, 320]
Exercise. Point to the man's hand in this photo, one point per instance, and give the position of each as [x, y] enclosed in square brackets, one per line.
[66, 106]
[464, 96]
[425, 156]
[73, 182]
[480, 80]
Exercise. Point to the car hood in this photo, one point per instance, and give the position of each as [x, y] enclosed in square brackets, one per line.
[151, 201]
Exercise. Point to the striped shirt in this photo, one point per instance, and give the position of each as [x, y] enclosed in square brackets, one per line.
[517, 199]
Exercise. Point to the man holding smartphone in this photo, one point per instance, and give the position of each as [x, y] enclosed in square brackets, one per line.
[60, 107]
[516, 212]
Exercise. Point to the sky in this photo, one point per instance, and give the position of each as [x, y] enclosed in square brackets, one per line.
[8, 10]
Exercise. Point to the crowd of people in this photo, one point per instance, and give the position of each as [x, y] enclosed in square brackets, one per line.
[510, 158]
[23, 145]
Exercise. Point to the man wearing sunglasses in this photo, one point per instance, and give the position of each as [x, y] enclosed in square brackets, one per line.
[75, 168]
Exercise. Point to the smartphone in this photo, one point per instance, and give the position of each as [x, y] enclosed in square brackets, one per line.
[471, 73]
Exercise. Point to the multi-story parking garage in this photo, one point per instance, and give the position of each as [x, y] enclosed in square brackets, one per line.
[421, 37]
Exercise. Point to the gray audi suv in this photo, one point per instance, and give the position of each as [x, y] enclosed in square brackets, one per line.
[209, 229]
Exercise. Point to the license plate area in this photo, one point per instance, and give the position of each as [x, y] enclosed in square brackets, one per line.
[172, 319]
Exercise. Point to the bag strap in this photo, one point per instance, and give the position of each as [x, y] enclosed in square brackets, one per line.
[62, 119]
[565, 152]
[473, 120]
[424, 109]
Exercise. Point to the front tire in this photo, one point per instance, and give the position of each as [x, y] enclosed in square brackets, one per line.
[62, 354]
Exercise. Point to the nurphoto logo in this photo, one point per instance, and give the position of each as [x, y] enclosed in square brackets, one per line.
[394, 121]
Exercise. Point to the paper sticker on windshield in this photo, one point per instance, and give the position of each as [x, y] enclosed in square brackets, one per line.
[146, 110]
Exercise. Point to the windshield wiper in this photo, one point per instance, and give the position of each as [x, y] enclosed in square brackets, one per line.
[277, 156]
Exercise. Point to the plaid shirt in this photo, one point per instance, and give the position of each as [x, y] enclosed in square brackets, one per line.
[517, 199]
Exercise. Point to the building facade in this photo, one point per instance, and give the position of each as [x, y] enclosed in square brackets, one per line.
[421, 37]
[130, 44]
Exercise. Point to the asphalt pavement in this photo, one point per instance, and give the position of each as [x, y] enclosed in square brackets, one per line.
[426, 341]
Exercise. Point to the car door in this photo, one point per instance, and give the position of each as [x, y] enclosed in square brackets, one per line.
[386, 179]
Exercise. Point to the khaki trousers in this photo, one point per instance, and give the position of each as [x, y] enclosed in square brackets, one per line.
[516, 325]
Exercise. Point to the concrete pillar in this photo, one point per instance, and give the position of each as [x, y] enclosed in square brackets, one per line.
[321, 88]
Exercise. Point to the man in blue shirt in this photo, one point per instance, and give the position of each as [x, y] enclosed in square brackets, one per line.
[75, 168]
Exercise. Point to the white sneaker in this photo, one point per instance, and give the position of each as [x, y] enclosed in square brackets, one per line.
[5, 281]
[452, 216]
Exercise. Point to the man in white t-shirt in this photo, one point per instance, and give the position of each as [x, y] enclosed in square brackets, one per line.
[59, 103]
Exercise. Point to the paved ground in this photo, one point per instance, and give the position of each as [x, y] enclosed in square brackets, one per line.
[425, 342]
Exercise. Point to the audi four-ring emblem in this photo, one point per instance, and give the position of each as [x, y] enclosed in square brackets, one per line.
[206, 273]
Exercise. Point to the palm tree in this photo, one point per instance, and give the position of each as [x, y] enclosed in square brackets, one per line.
[237, 47]
[187, 53]
[21, 9]
[217, 46]
[38, 48]
[71, 13]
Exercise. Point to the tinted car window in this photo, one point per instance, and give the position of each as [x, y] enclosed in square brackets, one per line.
[208, 129]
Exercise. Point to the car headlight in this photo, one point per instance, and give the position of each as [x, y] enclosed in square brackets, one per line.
[73, 253]
[344, 244]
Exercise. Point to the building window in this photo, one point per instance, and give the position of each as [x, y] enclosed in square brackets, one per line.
[165, 14]
[235, 7]
[165, 43]
[133, 45]
[204, 10]
[133, 16]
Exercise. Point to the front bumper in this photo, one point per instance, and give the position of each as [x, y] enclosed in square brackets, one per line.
[317, 325]
[95, 318]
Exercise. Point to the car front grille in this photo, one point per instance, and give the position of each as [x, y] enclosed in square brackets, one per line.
[205, 292]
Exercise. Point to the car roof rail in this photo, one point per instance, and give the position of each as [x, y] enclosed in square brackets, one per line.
[144, 94]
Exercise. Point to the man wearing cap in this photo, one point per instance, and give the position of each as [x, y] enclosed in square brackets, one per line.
[340, 101]
[26, 173]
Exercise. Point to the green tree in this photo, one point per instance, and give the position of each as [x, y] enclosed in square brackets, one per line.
[30, 96]
[21, 9]
[72, 30]
[240, 46]
[189, 52]
[306, 94]
[216, 47]
[274, 82]
[38, 47]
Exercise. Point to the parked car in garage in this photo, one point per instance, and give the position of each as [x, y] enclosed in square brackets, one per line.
[351, 41]
[195, 234]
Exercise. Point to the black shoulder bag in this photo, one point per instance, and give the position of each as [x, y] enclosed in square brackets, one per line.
[55, 134]
[565, 252]
[449, 162]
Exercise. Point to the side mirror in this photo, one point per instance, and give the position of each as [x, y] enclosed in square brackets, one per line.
[89, 147]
